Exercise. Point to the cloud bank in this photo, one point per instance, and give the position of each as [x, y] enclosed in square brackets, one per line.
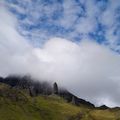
[87, 69]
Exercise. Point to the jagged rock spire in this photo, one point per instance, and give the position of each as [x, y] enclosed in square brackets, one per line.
[73, 100]
[55, 88]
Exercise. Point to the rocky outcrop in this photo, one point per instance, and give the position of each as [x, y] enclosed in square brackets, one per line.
[33, 86]
[103, 107]
[36, 88]
[74, 99]
[55, 88]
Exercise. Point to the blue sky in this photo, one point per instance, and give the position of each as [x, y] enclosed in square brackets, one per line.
[76, 20]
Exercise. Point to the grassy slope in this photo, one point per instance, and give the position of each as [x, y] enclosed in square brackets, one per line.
[17, 105]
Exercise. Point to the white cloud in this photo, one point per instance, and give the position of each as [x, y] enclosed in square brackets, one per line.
[85, 69]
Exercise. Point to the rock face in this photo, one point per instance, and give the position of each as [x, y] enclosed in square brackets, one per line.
[35, 88]
[73, 100]
[55, 88]
[103, 107]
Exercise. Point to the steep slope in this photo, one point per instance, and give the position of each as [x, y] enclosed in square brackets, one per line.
[17, 104]
[35, 88]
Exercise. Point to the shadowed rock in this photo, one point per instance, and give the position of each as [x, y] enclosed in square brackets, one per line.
[35, 88]
[73, 100]
[55, 88]
[26, 82]
[103, 107]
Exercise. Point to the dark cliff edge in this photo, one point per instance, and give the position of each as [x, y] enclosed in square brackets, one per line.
[36, 88]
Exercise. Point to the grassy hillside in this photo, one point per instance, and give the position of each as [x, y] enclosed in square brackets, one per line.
[16, 104]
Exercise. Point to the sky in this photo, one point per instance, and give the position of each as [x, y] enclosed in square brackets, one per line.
[73, 42]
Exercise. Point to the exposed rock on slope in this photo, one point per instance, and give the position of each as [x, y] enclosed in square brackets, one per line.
[36, 88]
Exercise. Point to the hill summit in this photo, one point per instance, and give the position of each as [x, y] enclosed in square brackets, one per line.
[22, 98]
[36, 88]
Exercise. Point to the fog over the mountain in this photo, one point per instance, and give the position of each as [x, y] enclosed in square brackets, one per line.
[89, 70]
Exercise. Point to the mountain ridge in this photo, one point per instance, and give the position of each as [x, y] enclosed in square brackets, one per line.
[18, 103]
[41, 88]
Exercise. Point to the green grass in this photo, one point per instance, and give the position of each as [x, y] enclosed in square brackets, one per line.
[103, 115]
[18, 105]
